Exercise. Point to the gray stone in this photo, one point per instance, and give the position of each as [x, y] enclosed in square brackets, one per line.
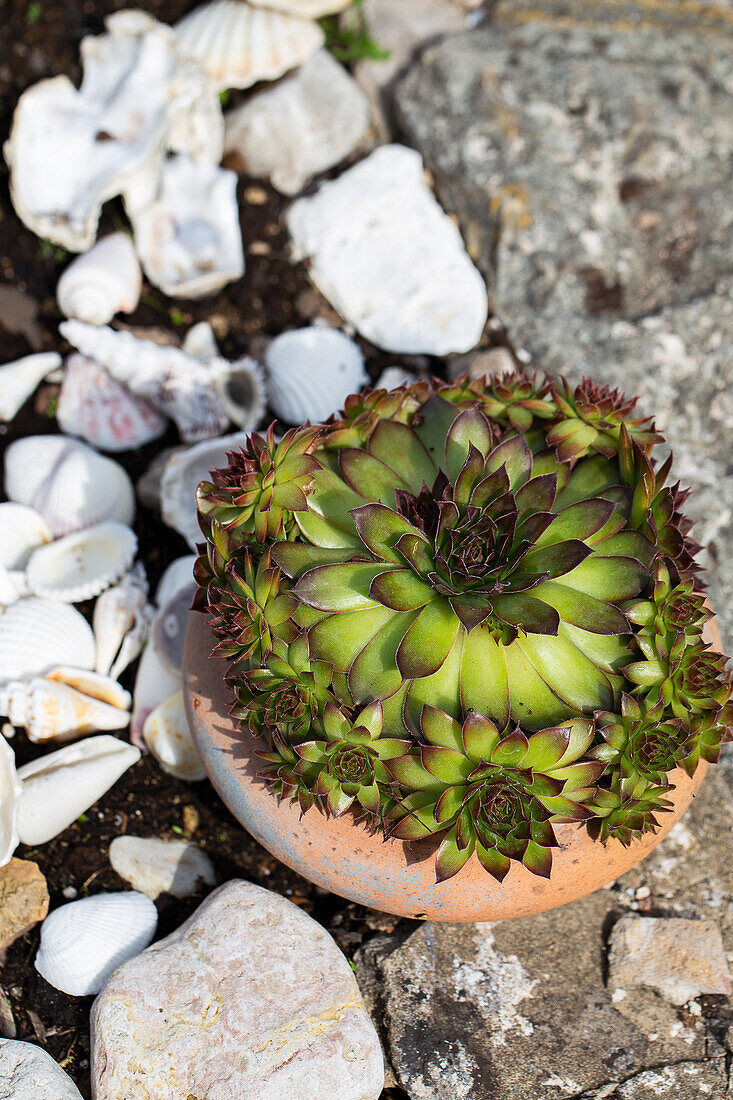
[29, 1073]
[249, 997]
[622, 15]
[681, 959]
[683, 1081]
[154, 866]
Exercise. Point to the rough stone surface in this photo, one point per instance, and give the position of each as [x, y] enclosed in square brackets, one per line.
[681, 959]
[28, 1073]
[672, 15]
[250, 997]
[155, 866]
[300, 126]
[683, 1081]
[23, 899]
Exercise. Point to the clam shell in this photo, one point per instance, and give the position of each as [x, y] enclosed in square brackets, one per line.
[83, 942]
[168, 736]
[178, 575]
[169, 626]
[9, 593]
[81, 565]
[19, 379]
[22, 530]
[121, 621]
[50, 710]
[157, 679]
[182, 473]
[37, 634]
[60, 786]
[102, 282]
[71, 485]
[311, 372]
[95, 685]
[237, 44]
[101, 411]
[10, 792]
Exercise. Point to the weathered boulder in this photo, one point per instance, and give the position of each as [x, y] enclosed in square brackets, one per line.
[625, 15]
[29, 1073]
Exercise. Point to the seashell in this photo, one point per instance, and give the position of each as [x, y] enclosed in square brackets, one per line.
[243, 393]
[178, 575]
[304, 9]
[182, 473]
[311, 372]
[156, 866]
[10, 792]
[84, 941]
[81, 565]
[54, 711]
[155, 682]
[392, 377]
[60, 786]
[67, 482]
[19, 379]
[169, 626]
[237, 44]
[188, 238]
[100, 410]
[168, 736]
[37, 634]
[95, 685]
[178, 384]
[102, 282]
[200, 341]
[121, 621]
[9, 593]
[22, 530]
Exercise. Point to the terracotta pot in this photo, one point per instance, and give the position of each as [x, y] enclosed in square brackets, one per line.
[390, 875]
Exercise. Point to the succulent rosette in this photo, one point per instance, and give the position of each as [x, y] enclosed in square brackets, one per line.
[467, 610]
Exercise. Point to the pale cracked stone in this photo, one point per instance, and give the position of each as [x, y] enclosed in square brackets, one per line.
[389, 259]
[29, 1073]
[683, 1081]
[154, 866]
[681, 959]
[702, 16]
[250, 997]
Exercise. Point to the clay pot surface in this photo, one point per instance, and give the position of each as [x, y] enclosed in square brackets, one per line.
[391, 875]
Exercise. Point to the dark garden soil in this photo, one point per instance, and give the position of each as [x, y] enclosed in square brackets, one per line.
[39, 39]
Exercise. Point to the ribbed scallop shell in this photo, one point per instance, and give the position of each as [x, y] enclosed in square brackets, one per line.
[182, 473]
[168, 736]
[96, 407]
[81, 565]
[18, 380]
[238, 44]
[10, 792]
[121, 621]
[60, 786]
[102, 282]
[71, 485]
[37, 634]
[311, 372]
[22, 530]
[50, 710]
[83, 942]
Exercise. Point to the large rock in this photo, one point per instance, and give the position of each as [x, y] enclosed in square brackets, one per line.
[23, 899]
[29, 1073]
[682, 959]
[249, 997]
[683, 1081]
[625, 15]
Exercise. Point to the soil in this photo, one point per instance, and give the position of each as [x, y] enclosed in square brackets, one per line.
[41, 39]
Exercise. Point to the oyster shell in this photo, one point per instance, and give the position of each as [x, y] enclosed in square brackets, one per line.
[121, 622]
[182, 473]
[36, 635]
[102, 282]
[81, 565]
[96, 407]
[311, 372]
[168, 736]
[18, 380]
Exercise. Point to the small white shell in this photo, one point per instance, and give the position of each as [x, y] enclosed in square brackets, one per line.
[168, 736]
[57, 788]
[156, 866]
[67, 482]
[95, 685]
[19, 379]
[243, 393]
[9, 593]
[178, 575]
[311, 372]
[392, 377]
[121, 621]
[200, 341]
[81, 565]
[155, 682]
[37, 634]
[182, 473]
[96, 407]
[22, 530]
[102, 282]
[10, 792]
[83, 942]
[52, 711]
[169, 626]
[237, 45]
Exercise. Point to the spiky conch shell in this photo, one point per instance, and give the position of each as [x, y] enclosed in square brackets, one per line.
[468, 551]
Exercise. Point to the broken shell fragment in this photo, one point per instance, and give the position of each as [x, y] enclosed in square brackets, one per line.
[18, 380]
[102, 282]
[57, 788]
[243, 392]
[10, 792]
[311, 372]
[168, 736]
[22, 530]
[200, 341]
[50, 710]
[121, 622]
[101, 411]
[36, 635]
[81, 565]
[182, 473]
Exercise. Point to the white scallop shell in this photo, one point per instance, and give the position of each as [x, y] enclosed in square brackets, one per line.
[182, 473]
[18, 380]
[50, 710]
[67, 482]
[37, 634]
[168, 736]
[102, 282]
[121, 621]
[22, 530]
[96, 407]
[57, 788]
[84, 941]
[188, 238]
[304, 9]
[10, 792]
[81, 565]
[311, 372]
[9, 593]
[237, 44]
[178, 575]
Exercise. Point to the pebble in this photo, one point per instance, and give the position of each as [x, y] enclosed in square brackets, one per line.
[154, 866]
[249, 997]
[29, 1073]
[23, 899]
